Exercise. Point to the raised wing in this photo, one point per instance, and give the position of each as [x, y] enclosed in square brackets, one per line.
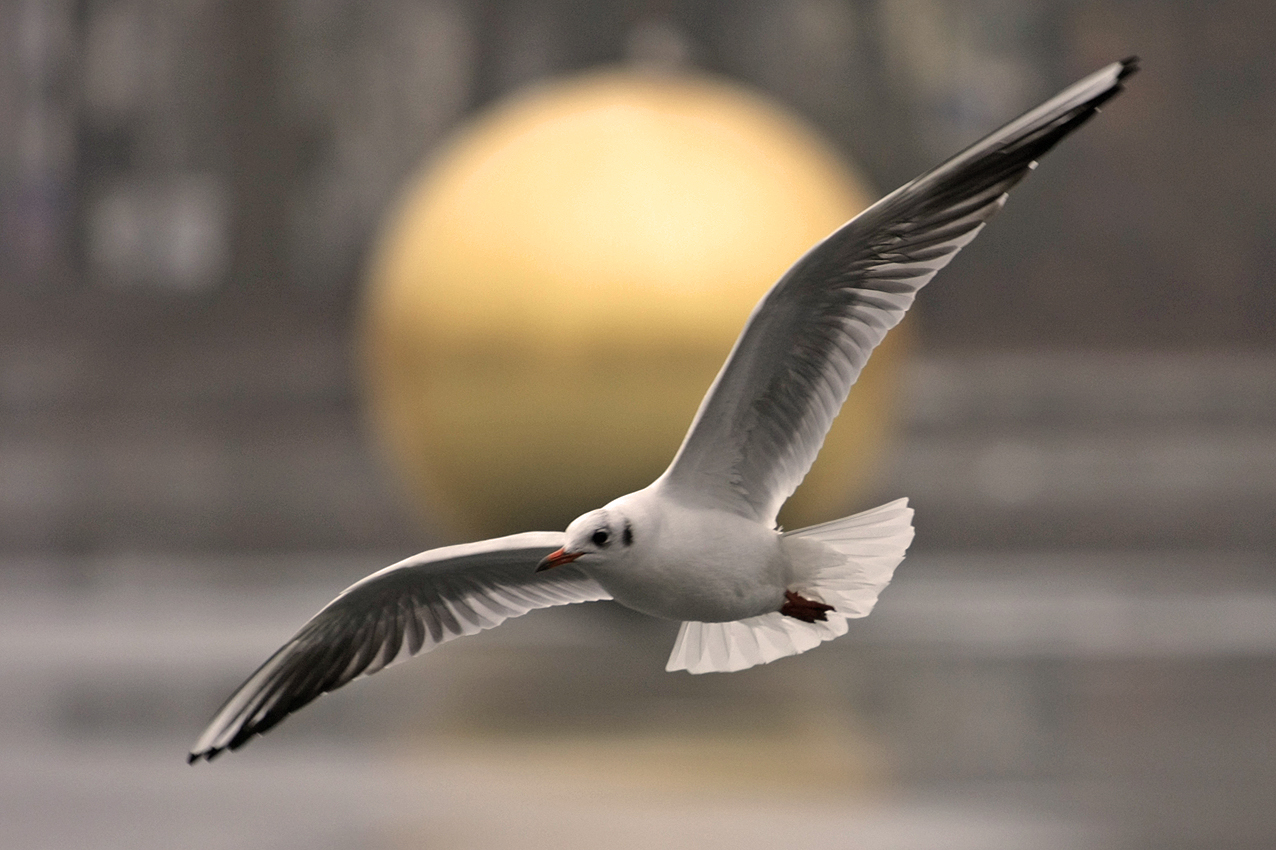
[763, 421]
[410, 607]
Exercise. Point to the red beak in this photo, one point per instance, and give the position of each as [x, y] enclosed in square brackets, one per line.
[557, 559]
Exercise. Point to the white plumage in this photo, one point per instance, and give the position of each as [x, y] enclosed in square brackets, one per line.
[847, 562]
[699, 544]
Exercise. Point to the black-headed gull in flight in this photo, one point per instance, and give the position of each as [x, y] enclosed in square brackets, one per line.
[700, 543]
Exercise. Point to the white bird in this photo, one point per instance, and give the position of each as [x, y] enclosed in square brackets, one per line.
[700, 543]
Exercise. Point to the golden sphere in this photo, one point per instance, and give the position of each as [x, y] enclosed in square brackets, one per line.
[560, 284]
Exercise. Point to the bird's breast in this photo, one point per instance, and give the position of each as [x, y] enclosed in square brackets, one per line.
[704, 566]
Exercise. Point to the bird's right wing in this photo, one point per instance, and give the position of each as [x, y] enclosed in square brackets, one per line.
[765, 417]
[410, 607]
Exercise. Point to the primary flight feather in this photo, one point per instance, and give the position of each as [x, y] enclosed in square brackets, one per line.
[699, 544]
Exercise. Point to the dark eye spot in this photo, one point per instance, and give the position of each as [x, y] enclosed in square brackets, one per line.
[629, 535]
[600, 537]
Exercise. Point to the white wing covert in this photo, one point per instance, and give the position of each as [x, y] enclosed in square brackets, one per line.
[764, 419]
[400, 611]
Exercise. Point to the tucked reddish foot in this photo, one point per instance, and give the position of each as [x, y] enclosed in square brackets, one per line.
[806, 610]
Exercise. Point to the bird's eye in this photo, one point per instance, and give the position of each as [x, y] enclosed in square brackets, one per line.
[600, 537]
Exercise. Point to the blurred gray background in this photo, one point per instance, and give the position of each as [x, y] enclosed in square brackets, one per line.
[1079, 652]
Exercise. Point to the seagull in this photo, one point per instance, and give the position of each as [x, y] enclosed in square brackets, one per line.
[700, 544]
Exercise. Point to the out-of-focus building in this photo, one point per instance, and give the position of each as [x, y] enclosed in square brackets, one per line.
[189, 192]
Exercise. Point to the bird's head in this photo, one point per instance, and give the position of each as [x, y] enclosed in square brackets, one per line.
[593, 538]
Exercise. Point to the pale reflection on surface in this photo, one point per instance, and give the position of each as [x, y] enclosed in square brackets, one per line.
[992, 701]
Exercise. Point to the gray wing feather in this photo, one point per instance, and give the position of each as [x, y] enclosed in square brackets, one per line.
[408, 608]
[764, 419]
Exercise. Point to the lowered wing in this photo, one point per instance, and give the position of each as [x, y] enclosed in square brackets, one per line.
[410, 607]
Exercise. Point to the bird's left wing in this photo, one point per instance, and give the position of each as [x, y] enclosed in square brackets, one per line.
[765, 417]
[410, 607]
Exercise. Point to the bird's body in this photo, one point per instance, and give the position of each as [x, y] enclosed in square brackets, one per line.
[688, 562]
[700, 543]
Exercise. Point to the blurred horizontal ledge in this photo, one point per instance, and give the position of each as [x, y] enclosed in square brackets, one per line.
[1086, 605]
[1089, 389]
[88, 351]
[1207, 487]
[287, 483]
[1014, 619]
[1182, 467]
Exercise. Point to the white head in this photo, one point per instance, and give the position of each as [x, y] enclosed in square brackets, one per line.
[595, 538]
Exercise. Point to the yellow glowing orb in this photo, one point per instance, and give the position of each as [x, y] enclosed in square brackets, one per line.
[559, 286]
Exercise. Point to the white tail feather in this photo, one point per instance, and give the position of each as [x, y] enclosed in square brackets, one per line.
[844, 563]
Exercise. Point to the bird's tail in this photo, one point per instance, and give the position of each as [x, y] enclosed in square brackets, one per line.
[844, 563]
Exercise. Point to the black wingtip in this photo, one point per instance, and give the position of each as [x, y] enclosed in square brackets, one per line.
[1129, 65]
[203, 755]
